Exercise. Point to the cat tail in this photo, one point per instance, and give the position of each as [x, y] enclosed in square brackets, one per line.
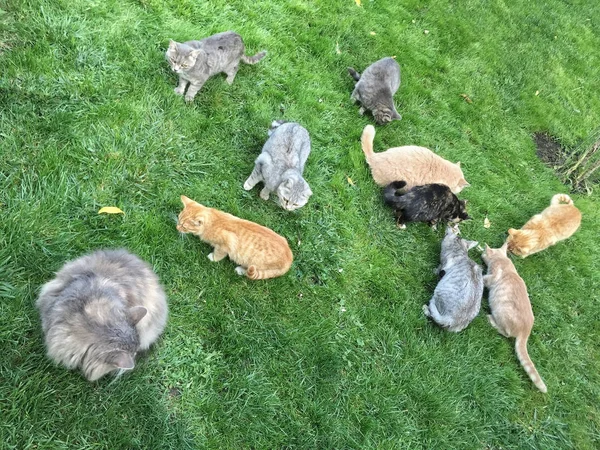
[366, 140]
[353, 73]
[390, 193]
[253, 59]
[561, 198]
[261, 274]
[525, 360]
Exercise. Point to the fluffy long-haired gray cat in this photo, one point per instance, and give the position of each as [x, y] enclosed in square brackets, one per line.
[196, 61]
[375, 89]
[100, 310]
[281, 163]
[457, 297]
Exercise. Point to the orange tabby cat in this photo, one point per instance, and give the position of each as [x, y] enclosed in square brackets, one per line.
[511, 310]
[414, 165]
[557, 222]
[260, 252]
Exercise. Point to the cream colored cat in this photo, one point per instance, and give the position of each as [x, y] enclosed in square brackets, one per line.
[414, 165]
[511, 310]
[557, 222]
[260, 252]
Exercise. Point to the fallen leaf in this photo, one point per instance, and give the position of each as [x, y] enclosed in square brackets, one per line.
[394, 57]
[110, 210]
[350, 182]
[426, 31]
[337, 48]
[357, 2]
[537, 93]
[486, 223]
[372, 33]
[467, 98]
[414, 21]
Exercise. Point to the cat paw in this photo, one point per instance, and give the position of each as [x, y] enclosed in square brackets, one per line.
[401, 226]
[264, 195]
[361, 111]
[179, 91]
[189, 98]
[426, 311]
[247, 186]
[240, 270]
[211, 256]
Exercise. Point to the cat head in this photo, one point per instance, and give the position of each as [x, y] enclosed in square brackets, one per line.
[193, 217]
[181, 57]
[491, 254]
[385, 115]
[459, 212]
[520, 242]
[452, 243]
[293, 193]
[461, 182]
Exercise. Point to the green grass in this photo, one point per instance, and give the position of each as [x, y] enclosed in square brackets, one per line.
[337, 353]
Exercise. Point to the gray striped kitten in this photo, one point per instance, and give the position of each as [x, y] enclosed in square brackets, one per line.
[100, 310]
[281, 163]
[457, 297]
[375, 89]
[197, 61]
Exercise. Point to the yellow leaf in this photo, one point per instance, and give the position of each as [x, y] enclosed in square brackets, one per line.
[372, 33]
[486, 223]
[350, 182]
[467, 98]
[537, 93]
[110, 210]
[337, 48]
[357, 2]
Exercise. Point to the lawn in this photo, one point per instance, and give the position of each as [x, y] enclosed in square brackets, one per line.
[336, 354]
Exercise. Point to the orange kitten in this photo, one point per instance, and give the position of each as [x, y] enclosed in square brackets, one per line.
[260, 252]
[557, 222]
[414, 165]
[511, 310]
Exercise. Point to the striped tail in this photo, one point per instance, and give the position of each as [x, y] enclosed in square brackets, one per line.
[261, 274]
[390, 193]
[561, 198]
[366, 140]
[521, 349]
[254, 59]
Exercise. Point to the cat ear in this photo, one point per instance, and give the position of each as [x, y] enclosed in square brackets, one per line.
[471, 244]
[186, 201]
[462, 182]
[123, 360]
[396, 116]
[504, 247]
[172, 44]
[194, 54]
[512, 231]
[458, 164]
[136, 313]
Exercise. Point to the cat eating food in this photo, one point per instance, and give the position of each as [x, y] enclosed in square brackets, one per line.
[280, 165]
[457, 297]
[196, 61]
[512, 315]
[414, 165]
[557, 222]
[428, 203]
[375, 89]
[260, 252]
[100, 310]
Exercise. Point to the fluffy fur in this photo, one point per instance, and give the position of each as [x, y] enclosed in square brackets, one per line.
[281, 164]
[196, 61]
[457, 297]
[557, 222]
[100, 310]
[509, 303]
[415, 165]
[260, 252]
[428, 203]
[375, 89]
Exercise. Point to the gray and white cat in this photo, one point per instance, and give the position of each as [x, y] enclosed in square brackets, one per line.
[100, 310]
[281, 163]
[457, 297]
[197, 61]
[375, 89]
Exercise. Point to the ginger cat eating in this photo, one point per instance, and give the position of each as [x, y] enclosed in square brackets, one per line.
[557, 222]
[511, 309]
[260, 252]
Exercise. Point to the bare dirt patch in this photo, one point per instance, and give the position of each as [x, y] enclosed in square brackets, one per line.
[549, 150]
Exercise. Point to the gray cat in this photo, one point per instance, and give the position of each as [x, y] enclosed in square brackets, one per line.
[281, 163]
[100, 310]
[197, 61]
[375, 89]
[457, 297]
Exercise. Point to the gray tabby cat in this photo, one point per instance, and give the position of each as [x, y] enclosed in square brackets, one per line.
[375, 89]
[100, 310]
[281, 163]
[197, 61]
[457, 297]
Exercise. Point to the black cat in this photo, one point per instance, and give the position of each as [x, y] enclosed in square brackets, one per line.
[428, 203]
